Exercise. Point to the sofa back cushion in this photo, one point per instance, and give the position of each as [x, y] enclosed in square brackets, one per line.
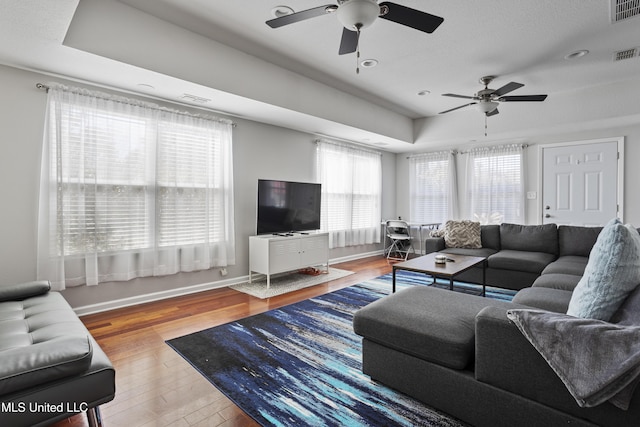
[576, 240]
[531, 238]
[490, 236]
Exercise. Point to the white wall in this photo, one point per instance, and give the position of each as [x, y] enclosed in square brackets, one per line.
[260, 151]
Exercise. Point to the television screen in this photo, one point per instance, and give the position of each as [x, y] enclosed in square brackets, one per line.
[285, 206]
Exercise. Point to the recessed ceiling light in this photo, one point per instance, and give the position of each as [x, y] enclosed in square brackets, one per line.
[369, 63]
[577, 54]
[424, 92]
[279, 11]
[145, 86]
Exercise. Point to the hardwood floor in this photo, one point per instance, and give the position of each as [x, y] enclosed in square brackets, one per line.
[154, 385]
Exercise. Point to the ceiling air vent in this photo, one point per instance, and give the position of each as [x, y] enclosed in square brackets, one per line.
[626, 54]
[199, 99]
[622, 10]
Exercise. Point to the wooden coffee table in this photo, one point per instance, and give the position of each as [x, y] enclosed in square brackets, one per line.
[455, 265]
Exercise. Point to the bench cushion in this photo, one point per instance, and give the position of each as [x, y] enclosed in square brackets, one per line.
[41, 340]
[432, 324]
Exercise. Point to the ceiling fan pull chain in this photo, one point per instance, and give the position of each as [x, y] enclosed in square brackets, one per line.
[485, 124]
[358, 51]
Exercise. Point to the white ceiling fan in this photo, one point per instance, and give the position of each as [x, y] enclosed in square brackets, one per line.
[354, 15]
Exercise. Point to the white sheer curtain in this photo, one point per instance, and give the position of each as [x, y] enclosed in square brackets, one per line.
[433, 187]
[351, 179]
[129, 189]
[495, 184]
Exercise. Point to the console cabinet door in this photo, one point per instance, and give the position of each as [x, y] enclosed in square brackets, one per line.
[314, 250]
[284, 255]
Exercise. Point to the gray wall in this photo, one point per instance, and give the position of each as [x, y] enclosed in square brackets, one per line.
[260, 151]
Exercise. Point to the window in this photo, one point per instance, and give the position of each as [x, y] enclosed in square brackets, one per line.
[130, 190]
[432, 187]
[351, 179]
[495, 184]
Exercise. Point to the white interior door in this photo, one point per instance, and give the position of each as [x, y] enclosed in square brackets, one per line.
[582, 183]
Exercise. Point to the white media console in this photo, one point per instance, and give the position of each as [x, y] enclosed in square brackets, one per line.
[272, 254]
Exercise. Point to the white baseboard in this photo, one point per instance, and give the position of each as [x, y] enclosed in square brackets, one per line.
[157, 296]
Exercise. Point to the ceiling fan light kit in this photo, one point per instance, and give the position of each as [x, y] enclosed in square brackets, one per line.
[486, 106]
[358, 14]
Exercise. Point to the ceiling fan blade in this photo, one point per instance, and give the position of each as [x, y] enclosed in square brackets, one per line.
[521, 98]
[413, 18]
[458, 96]
[453, 109]
[509, 87]
[349, 42]
[299, 16]
[492, 112]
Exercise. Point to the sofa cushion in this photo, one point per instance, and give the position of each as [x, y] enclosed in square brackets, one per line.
[556, 300]
[613, 271]
[531, 262]
[433, 324]
[462, 234]
[490, 236]
[530, 238]
[576, 240]
[568, 264]
[566, 282]
[482, 252]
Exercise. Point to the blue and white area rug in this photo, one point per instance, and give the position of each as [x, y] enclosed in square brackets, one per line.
[302, 364]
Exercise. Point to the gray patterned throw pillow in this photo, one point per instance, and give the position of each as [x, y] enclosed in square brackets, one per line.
[462, 234]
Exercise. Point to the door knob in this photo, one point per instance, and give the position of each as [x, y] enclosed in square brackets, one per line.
[547, 216]
[547, 207]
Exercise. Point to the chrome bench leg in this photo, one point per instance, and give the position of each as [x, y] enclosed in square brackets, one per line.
[93, 416]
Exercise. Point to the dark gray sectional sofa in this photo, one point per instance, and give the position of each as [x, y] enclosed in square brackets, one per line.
[50, 365]
[461, 354]
[517, 255]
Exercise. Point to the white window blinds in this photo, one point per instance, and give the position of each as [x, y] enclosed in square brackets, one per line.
[130, 189]
[351, 179]
[432, 187]
[496, 184]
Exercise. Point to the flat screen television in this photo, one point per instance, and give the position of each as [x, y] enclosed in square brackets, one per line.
[285, 206]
